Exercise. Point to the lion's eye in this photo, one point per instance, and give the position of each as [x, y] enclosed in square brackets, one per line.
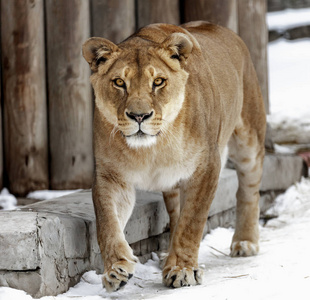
[158, 81]
[119, 82]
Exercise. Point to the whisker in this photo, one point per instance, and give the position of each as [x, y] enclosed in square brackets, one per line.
[113, 133]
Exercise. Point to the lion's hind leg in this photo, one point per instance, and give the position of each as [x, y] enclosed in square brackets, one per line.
[172, 203]
[246, 150]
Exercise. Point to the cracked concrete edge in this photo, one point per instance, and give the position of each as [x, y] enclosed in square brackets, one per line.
[65, 252]
[59, 265]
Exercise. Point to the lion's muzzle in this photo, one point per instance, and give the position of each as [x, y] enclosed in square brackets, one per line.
[139, 117]
[143, 133]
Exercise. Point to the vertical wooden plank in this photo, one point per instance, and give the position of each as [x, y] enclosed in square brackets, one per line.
[24, 92]
[221, 12]
[1, 141]
[1, 134]
[253, 30]
[113, 19]
[158, 11]
[69, 95]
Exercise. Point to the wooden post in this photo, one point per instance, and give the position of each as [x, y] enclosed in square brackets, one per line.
[113, 19]
[253, 30]
[158, 11]
[24, 93]
[1, 145]
[221, 12]
[69, 94]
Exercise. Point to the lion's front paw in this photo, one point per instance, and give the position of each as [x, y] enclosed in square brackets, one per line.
[118, 275]
[177, 277]
[243, 248]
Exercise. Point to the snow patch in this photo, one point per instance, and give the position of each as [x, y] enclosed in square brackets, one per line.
[13, 294]
[295, 202]
[7, 200]
[288, 18]
[48, 194]
[289, 74]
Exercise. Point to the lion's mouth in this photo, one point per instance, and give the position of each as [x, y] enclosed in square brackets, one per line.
[141, 134]
[141, 139]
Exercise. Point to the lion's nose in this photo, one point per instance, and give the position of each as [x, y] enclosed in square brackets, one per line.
[139, 117]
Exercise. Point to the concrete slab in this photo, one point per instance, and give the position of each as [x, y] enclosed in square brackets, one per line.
[18, 244]
[38, 259]
[281, 171]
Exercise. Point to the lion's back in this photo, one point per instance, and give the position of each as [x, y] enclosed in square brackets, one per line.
[218, 43]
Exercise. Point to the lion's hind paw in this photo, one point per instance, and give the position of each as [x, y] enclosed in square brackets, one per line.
[243, 248]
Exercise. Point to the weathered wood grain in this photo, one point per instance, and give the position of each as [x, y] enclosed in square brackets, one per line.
[113, 19]
[24, 93]
[158, 11]
[253, 30]
[69, 94]
[221, 12]
[1, 141]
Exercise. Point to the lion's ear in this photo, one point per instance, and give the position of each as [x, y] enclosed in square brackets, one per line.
[98, 50]
[179, 46]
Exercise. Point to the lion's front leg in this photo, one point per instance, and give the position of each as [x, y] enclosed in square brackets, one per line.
[114, 201]
[181, 267]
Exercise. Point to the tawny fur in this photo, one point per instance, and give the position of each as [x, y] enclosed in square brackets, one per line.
[209, 98]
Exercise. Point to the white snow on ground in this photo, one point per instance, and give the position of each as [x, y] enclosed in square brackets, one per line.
[288, 18]
[48, 194]
[280, 271]
[7, 200]
[282, 268]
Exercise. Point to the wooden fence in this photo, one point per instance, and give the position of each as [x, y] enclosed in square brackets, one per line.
[46, 97]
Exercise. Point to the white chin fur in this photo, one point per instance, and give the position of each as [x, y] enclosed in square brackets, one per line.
[140, 141]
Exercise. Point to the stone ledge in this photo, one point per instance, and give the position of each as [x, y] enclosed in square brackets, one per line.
[47, 246]
[281, 171]
[59, 243]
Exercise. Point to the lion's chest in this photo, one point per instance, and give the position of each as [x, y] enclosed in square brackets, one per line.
[162, 178]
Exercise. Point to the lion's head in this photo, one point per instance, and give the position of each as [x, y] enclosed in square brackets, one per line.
[139, 84]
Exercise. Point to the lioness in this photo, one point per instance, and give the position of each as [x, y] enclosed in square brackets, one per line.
[169, 100]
